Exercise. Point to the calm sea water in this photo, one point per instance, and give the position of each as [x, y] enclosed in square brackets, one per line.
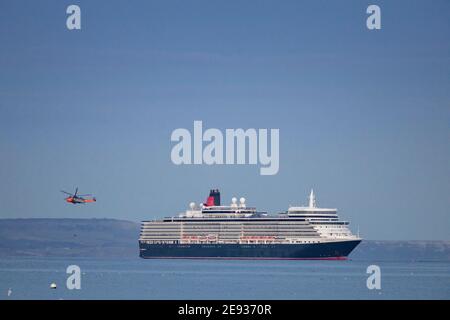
[30, 278]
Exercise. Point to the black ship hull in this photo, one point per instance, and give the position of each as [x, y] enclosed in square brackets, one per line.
[338, 250]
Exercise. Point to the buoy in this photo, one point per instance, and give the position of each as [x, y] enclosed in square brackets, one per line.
[9, 292]
[53, 286]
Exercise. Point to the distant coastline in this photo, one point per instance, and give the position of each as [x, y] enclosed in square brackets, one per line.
[68, 238]
[110, 238]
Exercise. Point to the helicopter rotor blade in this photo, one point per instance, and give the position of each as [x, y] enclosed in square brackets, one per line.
[68, 193]
[76, 191]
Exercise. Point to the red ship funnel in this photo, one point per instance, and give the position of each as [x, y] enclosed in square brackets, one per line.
[209, 202]
[213, 199]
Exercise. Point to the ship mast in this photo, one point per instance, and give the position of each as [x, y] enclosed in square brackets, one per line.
[312, 199]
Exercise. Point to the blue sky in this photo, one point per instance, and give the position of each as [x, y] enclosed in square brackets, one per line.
[364, 116]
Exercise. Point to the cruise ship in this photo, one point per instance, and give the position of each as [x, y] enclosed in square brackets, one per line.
[213, 231]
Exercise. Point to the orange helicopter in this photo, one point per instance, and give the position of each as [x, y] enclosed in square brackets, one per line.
[78, 198]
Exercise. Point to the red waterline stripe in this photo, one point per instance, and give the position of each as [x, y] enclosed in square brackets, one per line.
[247, 258]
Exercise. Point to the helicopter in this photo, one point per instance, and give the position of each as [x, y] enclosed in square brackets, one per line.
[76, 198]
